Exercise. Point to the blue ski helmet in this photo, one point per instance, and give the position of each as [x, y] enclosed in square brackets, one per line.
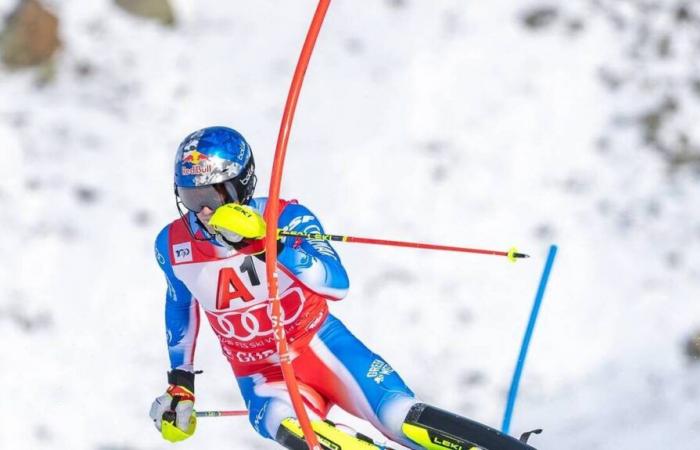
[214, 166]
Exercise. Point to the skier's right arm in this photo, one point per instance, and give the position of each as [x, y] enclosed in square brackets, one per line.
[181, 311]
[172, 412]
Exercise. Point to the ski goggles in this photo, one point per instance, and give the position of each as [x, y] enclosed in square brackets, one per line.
[212, 196]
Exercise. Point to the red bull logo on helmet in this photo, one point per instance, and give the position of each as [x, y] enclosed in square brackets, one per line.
[198, 161]
[194, 157]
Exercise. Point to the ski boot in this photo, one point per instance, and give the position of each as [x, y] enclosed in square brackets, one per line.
[329, 436]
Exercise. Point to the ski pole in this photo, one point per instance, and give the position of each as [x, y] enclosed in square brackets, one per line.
[220, 413]
[520, 363]
[512, 254]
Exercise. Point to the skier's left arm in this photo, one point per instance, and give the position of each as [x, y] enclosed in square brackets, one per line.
[314, 261]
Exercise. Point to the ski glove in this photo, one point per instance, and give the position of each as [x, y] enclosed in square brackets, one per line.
[234, 222]
[173, 412]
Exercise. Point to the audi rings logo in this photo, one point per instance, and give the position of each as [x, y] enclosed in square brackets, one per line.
[255, 321]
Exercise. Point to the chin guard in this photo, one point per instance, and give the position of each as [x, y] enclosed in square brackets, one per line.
[241, 220]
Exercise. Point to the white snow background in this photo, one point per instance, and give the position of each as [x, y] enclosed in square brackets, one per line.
[435, 121]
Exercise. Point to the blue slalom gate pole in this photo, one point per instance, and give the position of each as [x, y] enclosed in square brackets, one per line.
[513, 392]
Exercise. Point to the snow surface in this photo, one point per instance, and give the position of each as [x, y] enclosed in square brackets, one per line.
[442, 121]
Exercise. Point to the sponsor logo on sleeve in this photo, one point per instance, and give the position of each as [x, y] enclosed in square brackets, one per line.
[160, 258]
[378, 370]
[182, 252]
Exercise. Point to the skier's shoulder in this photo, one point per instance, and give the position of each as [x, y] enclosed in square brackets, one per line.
[161, 246]
[162, 237]
[172, 230]
[173, 234]
[289, 209]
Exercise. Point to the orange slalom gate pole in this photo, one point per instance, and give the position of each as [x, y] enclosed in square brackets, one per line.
[272, 217]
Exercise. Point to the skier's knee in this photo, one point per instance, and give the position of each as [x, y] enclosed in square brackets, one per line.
[392, 412]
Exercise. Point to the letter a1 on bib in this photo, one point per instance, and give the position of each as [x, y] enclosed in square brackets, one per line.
[230, 288]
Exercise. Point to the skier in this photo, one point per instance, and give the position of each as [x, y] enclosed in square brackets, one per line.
[213, 259]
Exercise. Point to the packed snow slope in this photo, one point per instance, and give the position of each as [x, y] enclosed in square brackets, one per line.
[438, 121]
